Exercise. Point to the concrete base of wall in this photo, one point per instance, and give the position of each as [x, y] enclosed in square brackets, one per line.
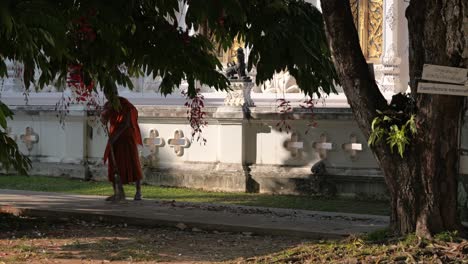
[236, 178]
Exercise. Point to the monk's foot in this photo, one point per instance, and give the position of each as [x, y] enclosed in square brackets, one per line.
[110, 198]
[119, 197]
[137, 197]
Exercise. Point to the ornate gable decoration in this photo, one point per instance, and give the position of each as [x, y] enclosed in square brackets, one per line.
[368, 19]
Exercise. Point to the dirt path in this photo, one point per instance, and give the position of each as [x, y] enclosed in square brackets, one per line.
[26, 240]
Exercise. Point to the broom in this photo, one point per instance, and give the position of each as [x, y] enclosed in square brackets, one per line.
[119, 194]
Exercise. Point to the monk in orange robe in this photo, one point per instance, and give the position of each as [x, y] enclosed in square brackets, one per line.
[124, 135]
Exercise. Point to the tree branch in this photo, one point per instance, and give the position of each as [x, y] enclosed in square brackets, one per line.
[358, 84]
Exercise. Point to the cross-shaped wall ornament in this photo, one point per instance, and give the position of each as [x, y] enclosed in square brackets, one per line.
[153, 142]
[353, 147]
[144, 161]
[294, 145]
[11, 135]
[29, 138]
[179, 142]
[322, 146]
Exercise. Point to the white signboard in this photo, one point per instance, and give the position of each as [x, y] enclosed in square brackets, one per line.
[442, 88]
[444, 74]
[464, 164]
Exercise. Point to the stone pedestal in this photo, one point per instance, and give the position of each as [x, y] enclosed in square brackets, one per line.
[12, 83]
[391, 71]
[240, 94]
[395, 73]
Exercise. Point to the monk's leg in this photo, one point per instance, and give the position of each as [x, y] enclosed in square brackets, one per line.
[138, 190]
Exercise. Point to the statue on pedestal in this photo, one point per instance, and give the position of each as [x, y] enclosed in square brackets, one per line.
[241, 84]
[236, 71]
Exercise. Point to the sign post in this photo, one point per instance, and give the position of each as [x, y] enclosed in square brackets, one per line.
[445, 80]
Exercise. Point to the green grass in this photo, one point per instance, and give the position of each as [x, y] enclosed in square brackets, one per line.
[73, 186]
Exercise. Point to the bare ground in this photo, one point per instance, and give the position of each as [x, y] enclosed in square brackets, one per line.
[26, 240]
[72, 241]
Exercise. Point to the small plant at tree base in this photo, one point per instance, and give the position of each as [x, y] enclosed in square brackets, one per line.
[397, 130]
[379, 235]
[196, 115]
[448, 236]
[397, 125]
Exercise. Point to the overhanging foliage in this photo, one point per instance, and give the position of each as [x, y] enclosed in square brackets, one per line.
[145, 37]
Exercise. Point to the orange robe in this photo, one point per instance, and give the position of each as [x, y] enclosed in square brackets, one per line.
[125, 147]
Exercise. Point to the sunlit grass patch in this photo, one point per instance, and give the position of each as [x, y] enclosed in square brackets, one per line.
[75, 186]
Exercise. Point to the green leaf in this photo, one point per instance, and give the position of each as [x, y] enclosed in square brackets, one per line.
[11, 157]
[6, 21]
[3, 68]
[3, 121]
[397, 137]
[47, 36]
[412, 125]
[5, 113]
[387, 118]
[375, 123]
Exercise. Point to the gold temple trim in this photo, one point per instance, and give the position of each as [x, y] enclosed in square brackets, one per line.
[368, 18]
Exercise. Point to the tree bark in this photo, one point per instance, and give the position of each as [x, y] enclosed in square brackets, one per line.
[423, 185]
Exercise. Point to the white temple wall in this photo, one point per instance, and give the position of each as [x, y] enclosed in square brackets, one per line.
[238, 150]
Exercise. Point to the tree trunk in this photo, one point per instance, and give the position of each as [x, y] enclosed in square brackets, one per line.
[423, 185]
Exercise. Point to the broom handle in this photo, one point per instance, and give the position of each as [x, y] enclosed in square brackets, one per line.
[117, 182]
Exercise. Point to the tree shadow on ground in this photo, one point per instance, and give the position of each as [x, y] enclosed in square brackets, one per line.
[77, 240]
